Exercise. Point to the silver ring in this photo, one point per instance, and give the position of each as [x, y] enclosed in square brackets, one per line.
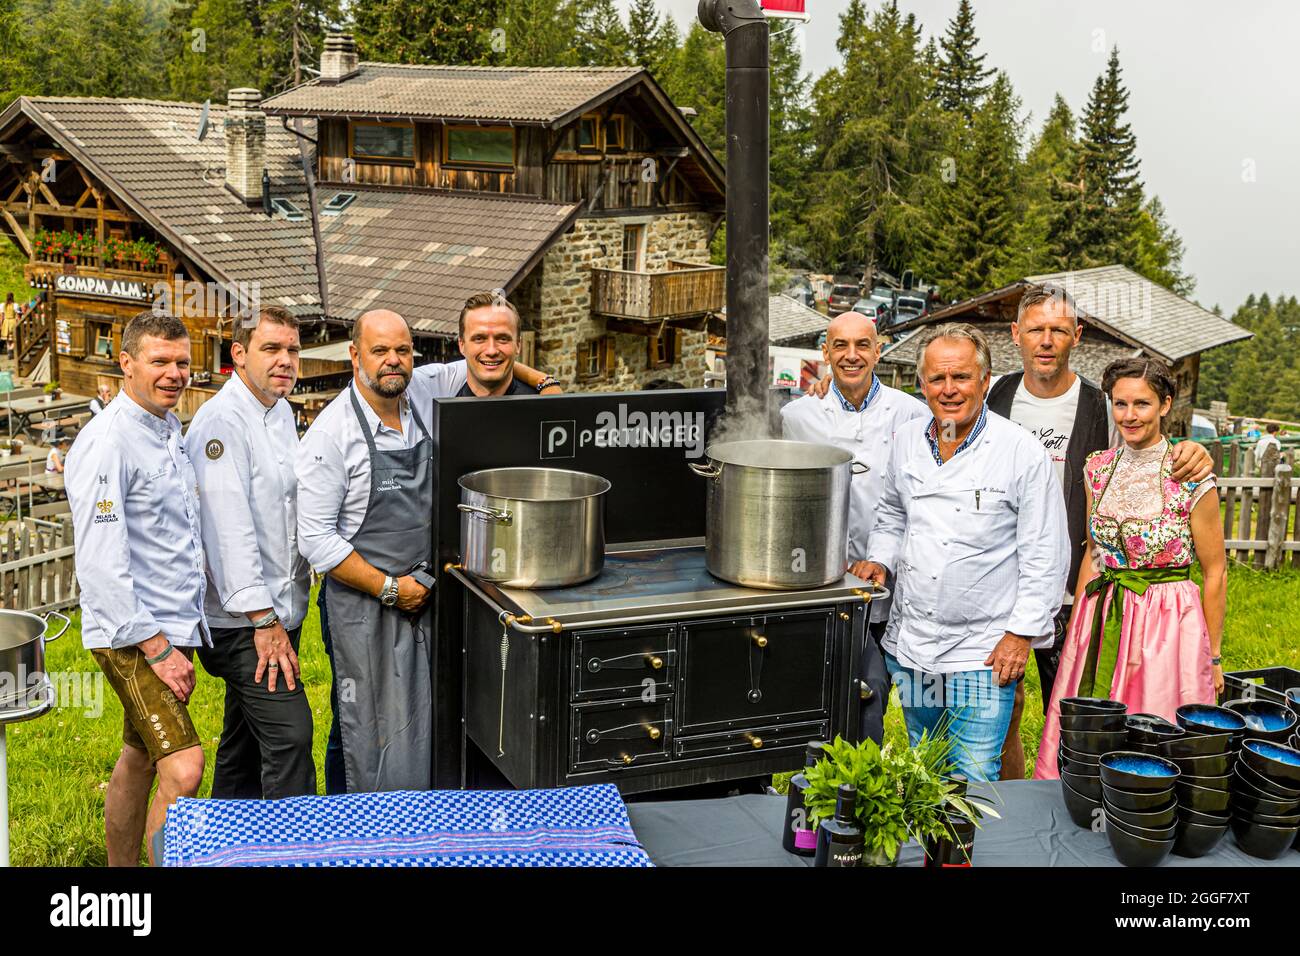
[274, 667]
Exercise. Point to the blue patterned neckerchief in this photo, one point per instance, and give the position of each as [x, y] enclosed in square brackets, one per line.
[932, 436]
[849, 406]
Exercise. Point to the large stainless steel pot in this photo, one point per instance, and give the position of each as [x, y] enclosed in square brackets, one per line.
[533, 527]
[22, 655]
[778, 512]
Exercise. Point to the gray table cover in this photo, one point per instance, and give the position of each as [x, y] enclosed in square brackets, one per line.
[1034, 830]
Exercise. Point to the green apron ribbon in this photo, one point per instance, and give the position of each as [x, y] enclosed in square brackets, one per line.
[1103, 644]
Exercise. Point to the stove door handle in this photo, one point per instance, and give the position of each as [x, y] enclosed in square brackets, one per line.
[655, 660]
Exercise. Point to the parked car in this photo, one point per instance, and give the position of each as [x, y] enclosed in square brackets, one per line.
[879, 312]
[843, 297]
[909, 307]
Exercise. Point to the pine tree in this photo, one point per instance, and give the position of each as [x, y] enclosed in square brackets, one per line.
[292, 37]
[1046, 167]
[1100, 210]
[790, 148]
[643, 31]
[541, 33]
[213, 51]
[698, 79]
[415, 31]
[1160, 250]
[961, 80]
[602, 37]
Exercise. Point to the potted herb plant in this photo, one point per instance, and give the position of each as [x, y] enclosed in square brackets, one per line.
[903, 793]
[52, 391]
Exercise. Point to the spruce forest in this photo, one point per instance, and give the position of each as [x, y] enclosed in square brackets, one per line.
[906, 153]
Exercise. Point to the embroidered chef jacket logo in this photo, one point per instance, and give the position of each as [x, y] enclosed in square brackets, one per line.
[105, 508]
[214, 449]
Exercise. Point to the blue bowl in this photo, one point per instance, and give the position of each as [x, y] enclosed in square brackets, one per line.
[1264, 719]
[1280, 764]
[1206, 718]
[1138, 772]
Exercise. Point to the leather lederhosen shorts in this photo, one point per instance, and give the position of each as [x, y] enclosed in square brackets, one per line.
[153, 719]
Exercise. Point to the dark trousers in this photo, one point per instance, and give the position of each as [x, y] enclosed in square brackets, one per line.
[335, 777]
[1049, 659]
[266, 738]
[871, 719]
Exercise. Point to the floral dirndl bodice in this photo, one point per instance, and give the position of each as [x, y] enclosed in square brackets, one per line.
[1141, 517]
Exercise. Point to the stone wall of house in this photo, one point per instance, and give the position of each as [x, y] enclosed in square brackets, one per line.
[564, 321]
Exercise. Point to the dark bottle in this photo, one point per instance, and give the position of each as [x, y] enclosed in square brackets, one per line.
[839, 840]
[956, 847]
[799, 836]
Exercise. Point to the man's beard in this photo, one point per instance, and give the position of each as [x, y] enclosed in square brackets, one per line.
[389, 388]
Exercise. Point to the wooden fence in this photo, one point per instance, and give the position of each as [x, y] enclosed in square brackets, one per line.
[1261, 526]
[36, 565]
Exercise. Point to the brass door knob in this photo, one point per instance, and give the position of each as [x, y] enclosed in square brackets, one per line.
[757, 742]
[655, 733]
[760, 640]
[656, 663]
[843, 616]
[627, 759]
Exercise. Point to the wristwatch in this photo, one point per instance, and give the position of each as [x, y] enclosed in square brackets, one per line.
[388, 593]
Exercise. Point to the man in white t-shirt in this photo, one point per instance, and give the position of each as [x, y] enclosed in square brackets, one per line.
[1071, 417]
[1270, 440]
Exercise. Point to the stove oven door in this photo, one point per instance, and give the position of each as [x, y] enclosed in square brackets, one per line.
[755, 671]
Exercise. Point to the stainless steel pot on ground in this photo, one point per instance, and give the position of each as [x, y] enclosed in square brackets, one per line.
[533, 527]
[778, 512]
[22, 655]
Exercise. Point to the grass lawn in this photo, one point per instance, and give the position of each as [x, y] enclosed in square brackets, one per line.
[59, 764]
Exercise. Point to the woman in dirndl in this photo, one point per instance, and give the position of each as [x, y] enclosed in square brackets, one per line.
[1141, 631]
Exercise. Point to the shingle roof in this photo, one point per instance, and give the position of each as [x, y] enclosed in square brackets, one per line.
[147, 153]
[540, 95]
[423, 254]
[1150, 315]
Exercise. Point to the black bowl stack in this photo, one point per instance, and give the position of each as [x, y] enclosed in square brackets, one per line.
[1140, 802]
[1090, 727]
[1207, 757]
[1266, 798]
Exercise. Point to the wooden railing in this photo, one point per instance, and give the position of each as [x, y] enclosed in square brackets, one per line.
[122, 268]
[683, 289]
[1261, 523]
[31, 339]
[36, 566]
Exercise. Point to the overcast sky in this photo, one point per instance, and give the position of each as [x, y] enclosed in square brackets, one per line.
[1214, 102]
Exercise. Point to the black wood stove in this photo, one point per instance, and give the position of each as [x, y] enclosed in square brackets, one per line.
[651, 676]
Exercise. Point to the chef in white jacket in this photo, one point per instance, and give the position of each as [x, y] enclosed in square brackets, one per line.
[972, 524]
[860, 415]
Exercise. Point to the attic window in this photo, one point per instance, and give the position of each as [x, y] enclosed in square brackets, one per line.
[338, 202]
[287, 209]
[492, 147]
[589, 134]
[383, 142]
[615, 134]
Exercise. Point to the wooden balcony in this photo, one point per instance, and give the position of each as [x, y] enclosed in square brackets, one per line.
[683, 289]
[129, 269]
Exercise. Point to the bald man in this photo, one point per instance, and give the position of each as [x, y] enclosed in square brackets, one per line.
[860, 415]
[365, 503]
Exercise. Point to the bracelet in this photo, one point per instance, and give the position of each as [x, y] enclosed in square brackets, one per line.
[546, 383]
[151, 661]
[270, 620]
[1216, 661]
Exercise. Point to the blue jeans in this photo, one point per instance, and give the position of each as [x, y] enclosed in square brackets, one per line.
[976, 710]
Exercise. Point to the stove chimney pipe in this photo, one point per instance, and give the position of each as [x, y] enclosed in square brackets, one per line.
[744, 27]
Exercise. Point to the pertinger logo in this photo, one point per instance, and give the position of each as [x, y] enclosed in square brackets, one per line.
[74, 908]
[557, 439]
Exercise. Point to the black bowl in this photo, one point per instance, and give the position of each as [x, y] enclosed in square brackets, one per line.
[1133, 850]
[1152, 725]
[1137, 801]
[1158, 834]
[1246, 802]
[1127, 770]
[1139, 746]
[1195, 839]
[1080, 759]
[1092, 722]
[1146, 819]
[1091, 705]
[1202, 799]
[1270, 787]
[1211, 765]
[1094, 742]
[1279, 763]
[1284, 822]
[1293, 699]
[1196, 745]
[1265, 842]
[1203, 819]
[1264, 719]
[1089, 787]
[1209, 783]
[1206, 718]
[1082, 810]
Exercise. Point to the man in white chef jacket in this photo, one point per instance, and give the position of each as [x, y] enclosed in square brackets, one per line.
[860, 415]
[972, 524]
[243, 442]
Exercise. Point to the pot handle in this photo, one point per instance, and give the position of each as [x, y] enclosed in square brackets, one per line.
[504, 517]
[62, 617]
[856, 465]
[705, 471]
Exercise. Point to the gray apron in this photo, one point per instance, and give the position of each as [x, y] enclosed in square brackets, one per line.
[383, 656]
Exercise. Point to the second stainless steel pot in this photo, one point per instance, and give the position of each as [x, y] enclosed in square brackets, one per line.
[22, 655]
[778, 512]
[533, 527]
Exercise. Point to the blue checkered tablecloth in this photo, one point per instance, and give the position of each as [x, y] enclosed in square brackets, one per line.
[574, 826]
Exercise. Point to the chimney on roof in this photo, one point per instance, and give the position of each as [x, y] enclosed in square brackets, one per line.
[339, 59]
[245, 129]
